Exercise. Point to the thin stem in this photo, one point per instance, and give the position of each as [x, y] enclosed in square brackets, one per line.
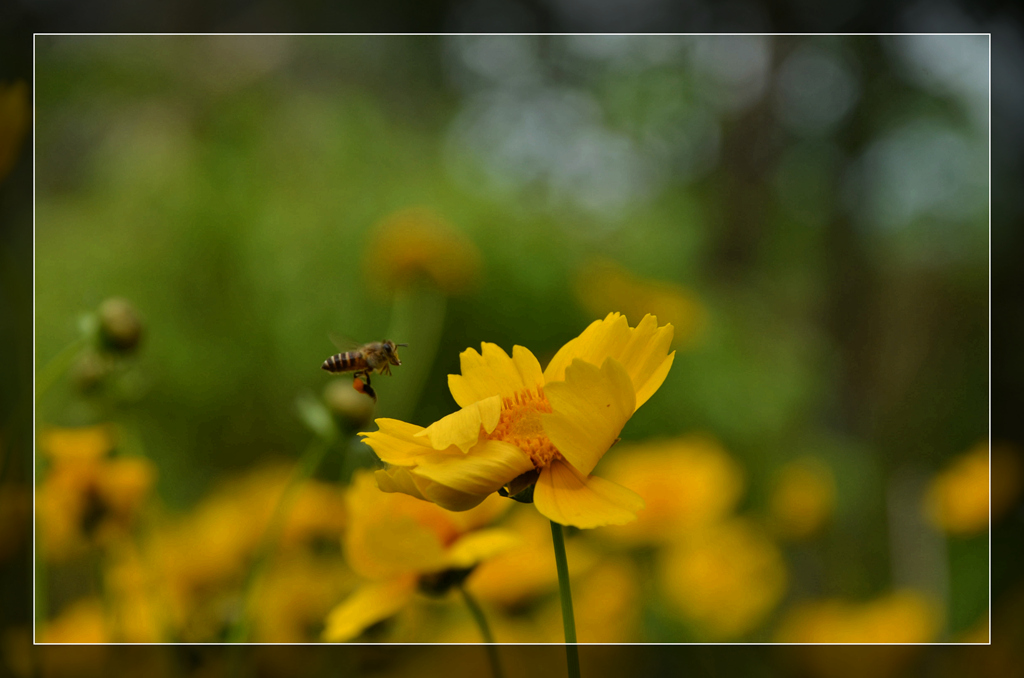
[417, 318]
[58, 365]
[572, 655]
[309, 462]
[485, 631]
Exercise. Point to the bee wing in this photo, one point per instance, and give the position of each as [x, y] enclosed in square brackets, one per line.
[343, 342]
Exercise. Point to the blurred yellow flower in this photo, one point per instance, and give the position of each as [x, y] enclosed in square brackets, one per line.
[518, 577]
[899, 617]
[295, 595]
[131, 597]
[87, 497]
[399, 543]
[724, 579]
[803, 498]
[904, 616]
[606, 602]
[80, 622]
[415, 243]
[84, 622]
[201, 558]
[958, 498]
[15, 116]
[603, 286]
[519, 426]
[687, 483]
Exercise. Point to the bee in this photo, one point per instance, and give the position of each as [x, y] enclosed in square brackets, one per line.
[377, 356]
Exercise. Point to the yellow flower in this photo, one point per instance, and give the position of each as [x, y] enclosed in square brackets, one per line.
[607, 605]
[415, 243]
[900, 617]
[86, 496]
[515, 579]
[520, 426]
[293, 598]
[687, 483]
[803, 498]
[958, 498]
[80, 622]
[399, 544]
[603, 285]
[725, 579]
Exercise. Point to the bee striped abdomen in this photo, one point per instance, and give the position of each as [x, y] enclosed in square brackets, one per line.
[345, 362]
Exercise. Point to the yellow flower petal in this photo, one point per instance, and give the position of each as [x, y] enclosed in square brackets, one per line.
[398, 479]
[590, 408]
[643, 351]
[396, 442]
[481, 545]
[367, 606]
[492, 372]
[388, 536]
[566, 496]
[462, 428]
[483, 470]
[404, 480]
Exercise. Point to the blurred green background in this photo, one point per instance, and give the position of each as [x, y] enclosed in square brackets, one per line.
[811, 211]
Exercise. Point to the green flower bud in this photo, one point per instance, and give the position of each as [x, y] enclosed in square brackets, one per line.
[352, 407]
[120, 326]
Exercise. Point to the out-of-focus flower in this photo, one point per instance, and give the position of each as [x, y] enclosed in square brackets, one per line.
[724, 579]
[317, 514]
[15, 509]
[904, 616]
[398, 544]
[520, 427]
[15, 114]
[295, 595]
[414, 244]
[120, 326]
[201, 558]
[515, 579]
[899, 617]
[603, 286]
[958, 501]
[687, 483]
[803, 498]
[86, 496]
[132, 601]
[606, 602]
[81, 622]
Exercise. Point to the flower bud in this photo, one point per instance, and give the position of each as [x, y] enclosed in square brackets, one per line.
[90, 371]
[120, 327]
[353, 408]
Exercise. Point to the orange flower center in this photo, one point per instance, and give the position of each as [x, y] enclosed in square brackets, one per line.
[520, 424]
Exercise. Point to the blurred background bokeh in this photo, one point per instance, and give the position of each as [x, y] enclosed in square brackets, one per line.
[809, 212]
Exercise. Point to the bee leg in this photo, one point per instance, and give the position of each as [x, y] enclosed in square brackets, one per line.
[364, 387]
[386, 369]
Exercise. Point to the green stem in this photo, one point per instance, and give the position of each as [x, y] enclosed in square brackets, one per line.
[417, 319]
[572, 655]
[485, 631]
[309, 462]
[58, 365]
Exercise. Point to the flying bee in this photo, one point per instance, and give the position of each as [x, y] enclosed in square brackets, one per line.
[377, 356]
